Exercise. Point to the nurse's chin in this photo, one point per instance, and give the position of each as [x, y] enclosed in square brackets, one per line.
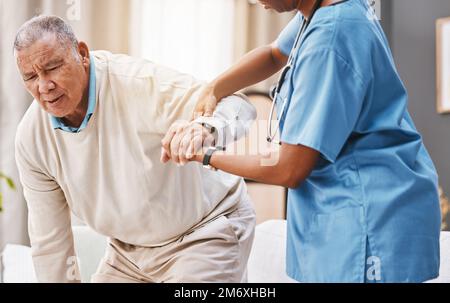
[274, 9]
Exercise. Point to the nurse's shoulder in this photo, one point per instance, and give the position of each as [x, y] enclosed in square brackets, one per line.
[348, 31]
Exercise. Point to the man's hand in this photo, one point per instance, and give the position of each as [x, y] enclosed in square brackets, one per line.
[184, 142]
[207, 102]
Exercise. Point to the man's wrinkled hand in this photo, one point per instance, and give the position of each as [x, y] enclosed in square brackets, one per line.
[184, 142]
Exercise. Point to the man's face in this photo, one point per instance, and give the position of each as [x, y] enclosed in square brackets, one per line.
[53, 75]
[280, 5]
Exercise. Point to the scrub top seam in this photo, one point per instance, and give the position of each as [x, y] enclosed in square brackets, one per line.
[338, 22]
[338, 55]
[365, 236]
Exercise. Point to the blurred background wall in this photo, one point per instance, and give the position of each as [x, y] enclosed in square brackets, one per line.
[203, 37]
[411, 27]
[104, 24]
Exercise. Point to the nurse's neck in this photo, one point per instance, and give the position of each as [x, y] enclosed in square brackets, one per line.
[305, 7]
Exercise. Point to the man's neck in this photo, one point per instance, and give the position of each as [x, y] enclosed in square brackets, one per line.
[306, 6]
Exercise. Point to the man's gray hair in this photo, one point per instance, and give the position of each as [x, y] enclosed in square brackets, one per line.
[35, 28]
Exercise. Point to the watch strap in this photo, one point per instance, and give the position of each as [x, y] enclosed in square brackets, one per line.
[208, 155]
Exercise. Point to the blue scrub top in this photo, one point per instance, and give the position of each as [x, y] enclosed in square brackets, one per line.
[369, 211]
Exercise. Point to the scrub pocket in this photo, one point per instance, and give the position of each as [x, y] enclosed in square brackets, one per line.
[334, 247]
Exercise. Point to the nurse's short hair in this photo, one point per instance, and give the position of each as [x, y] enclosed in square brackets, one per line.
[35, 28]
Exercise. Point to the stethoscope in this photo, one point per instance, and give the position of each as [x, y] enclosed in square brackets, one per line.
[276, 90]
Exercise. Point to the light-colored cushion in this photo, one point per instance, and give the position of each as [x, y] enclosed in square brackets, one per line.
[90, 247]
[17, 265]
[267, 262]
[444, 272]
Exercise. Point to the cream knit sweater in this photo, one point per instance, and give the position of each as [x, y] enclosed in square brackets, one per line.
[110, 176]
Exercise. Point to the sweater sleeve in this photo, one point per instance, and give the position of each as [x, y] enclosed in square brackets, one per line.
[49, 223]
[232, 119]
[172, 96]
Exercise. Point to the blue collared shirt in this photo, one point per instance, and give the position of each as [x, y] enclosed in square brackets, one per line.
[57, 123]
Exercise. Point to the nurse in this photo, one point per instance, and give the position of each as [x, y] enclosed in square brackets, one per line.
[363, 195]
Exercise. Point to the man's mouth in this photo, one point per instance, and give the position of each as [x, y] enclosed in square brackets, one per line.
[55, 100]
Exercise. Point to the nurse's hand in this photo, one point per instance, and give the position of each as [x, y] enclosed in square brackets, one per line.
[185, 142]
[207, 102]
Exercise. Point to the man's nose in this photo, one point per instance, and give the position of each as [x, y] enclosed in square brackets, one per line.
[46, 85]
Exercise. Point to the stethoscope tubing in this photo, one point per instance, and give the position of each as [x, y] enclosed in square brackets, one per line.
[281, 80]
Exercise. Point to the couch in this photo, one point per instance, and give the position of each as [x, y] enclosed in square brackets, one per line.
[266, 262]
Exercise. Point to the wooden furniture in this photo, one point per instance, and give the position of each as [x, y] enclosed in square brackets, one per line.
[269, 201]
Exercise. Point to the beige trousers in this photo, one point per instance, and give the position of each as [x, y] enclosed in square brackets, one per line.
[216, 251]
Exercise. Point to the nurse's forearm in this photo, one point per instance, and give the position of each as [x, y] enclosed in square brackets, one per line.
[254, 167]
[253, 68]
[289, 166]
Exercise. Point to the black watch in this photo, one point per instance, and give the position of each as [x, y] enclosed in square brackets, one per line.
[207, 158]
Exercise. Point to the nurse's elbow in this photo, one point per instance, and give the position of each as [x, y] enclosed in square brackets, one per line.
[296, 164]
[294, 183]
[293, 180]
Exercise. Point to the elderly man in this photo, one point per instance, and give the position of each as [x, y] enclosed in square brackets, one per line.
[90, 144]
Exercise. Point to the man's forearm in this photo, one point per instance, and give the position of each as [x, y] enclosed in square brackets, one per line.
[232, 119]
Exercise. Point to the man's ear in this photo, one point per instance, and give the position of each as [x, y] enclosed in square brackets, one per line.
[83, 51]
